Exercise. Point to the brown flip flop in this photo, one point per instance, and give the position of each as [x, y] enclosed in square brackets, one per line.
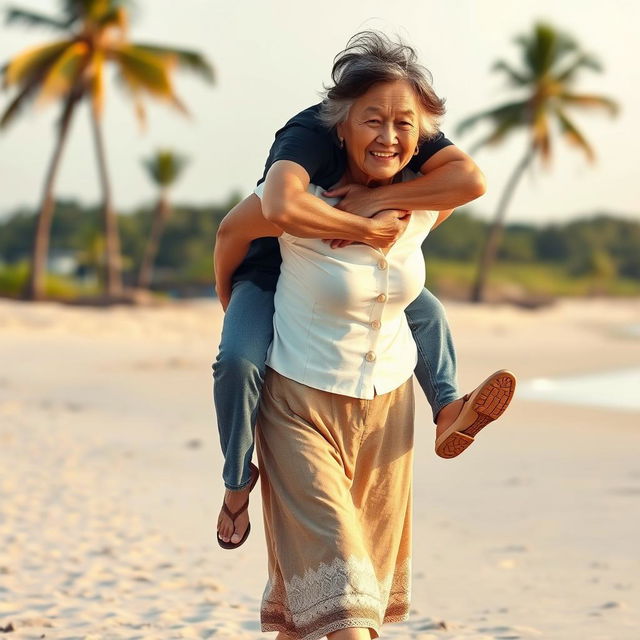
[484, 404]
[242, 509]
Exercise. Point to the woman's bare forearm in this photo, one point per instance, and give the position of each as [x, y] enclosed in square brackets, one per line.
[304, 215]
[447, 187]
[243, 224]
[450, 178]
[288, 204]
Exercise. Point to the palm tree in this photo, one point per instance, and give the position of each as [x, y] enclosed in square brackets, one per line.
[164, 168]
[551, 63]
[72, 69]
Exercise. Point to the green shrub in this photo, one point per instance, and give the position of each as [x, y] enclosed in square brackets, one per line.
[13, 280]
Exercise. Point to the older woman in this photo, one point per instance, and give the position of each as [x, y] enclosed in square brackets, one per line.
[335, 430]
[304, 150]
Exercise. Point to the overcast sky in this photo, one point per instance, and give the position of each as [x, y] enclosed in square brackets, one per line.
[272, 59]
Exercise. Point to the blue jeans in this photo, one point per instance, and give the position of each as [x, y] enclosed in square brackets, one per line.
[239, 369]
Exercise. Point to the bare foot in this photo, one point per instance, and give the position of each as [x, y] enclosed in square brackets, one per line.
[234, 500]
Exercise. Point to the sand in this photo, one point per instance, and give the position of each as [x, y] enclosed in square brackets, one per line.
[110, 483]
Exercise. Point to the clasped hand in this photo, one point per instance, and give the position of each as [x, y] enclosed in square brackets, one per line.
[356, 199]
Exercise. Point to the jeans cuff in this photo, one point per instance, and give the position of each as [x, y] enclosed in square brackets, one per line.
[232, 487]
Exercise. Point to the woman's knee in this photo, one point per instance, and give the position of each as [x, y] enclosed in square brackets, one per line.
[436, 308]
[426, 310]
[239, 365]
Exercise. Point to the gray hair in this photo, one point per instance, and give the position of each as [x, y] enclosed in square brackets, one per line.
[371, 57]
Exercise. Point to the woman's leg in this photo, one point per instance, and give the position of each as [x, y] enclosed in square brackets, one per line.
[457, 422]
[238, 374]
[336, 497]
[436, 368]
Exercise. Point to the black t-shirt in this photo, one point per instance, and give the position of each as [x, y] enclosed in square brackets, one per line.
[306, 141]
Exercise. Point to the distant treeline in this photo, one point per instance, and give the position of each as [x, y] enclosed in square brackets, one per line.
[601, 245]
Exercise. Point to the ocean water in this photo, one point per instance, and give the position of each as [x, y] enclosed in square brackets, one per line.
[632, 330]
[618, 389]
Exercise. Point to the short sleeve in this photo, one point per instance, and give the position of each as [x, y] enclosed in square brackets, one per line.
[312, 150]
[429, 148]
[259, 191]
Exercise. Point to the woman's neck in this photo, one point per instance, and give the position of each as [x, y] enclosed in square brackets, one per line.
[357, 177]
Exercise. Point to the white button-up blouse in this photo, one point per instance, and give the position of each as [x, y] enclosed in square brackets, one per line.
[339, 322]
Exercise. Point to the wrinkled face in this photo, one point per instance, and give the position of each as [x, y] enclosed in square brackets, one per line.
[381, 132]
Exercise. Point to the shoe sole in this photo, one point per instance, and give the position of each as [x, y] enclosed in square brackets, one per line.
[491, 400]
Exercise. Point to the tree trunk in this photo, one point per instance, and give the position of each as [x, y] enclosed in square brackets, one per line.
[490, 248]
[113, 260]
[160, 217]
[40, 246]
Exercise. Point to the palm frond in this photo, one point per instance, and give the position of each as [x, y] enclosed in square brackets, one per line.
[187, 59]
[20, 69]
[497, 135]
[515, 78]
[512, 112]
[114, 16]
[589, 101]
[130, 87]
[551, 59]
[165, 166]
[65, 72]
[564, 45]
[25, 97]
[583, 61]
[142, 70]
[573, 135]
[97, 90]
[95, 10]
[86, 8]
[60, 66]
[35, 19]
[544, 48]
[141, 111]
[180, 106]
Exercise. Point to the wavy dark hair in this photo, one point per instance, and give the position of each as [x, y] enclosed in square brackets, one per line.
[371, 57]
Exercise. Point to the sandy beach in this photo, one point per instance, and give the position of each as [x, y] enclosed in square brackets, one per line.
[110, 482]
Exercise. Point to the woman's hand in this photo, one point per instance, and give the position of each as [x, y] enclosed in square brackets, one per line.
[356, 198]
[387, 226]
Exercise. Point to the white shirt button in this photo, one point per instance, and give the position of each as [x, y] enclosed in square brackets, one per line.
[375, 324]
[382, 298]
[382, 264]
[370, 357]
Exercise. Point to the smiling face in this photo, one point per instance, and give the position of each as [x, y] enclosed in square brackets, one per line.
[381, 132]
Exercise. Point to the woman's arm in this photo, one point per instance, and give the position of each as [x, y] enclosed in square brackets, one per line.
[238, 228]
[450, 178]
[287, 203]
